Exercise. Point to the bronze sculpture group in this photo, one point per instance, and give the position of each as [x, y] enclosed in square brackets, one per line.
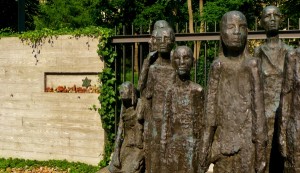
[245, 122]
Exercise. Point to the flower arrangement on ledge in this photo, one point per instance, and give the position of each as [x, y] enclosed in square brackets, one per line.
[74, 89]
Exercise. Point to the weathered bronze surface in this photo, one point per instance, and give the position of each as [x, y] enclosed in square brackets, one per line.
[128, 156]
[289, 113]
[156, 76]
[272, 54]
[242, 124]
[182, 120]
[235, 135]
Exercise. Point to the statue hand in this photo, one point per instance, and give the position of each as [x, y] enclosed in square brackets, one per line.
[260, 167]
[283, 151]
[136, 165]
[162, 148]
[282, 148]
[201, 170]
[116, 161]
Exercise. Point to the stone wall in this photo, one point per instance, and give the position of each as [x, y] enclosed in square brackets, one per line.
[40, 125]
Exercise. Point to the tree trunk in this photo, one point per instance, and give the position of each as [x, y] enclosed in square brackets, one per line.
[191, 18]
[198, 43]
[191, 24]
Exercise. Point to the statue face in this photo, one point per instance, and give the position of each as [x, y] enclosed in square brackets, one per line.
[161, 40]
[182, 60]
[271, 18]
[234, 30]
[125, 92]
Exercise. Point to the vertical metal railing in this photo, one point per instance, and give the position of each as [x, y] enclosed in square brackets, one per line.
[208, 51]
[208, 27]
[124, 58]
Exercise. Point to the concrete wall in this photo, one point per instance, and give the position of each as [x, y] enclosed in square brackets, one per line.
[35, 124]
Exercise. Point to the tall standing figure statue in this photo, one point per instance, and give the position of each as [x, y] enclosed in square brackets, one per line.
[289, 113]
[182, 120]
[272, 54]
[157, 75]
[235, 135]
[128, 156]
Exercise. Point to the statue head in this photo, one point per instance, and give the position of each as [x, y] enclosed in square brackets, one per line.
[271, 19]
[182, 60]
[234, 30]
[162, 37]
[128, 94]
[160, 24]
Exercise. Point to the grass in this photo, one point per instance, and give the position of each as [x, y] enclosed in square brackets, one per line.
[72, 167]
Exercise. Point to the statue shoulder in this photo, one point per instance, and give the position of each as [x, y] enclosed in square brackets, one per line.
[217, 64]
[216, 68]
[152, 68]
[293, 54]
[298, 51]
[253, 62]
[196, 87]
[287, 47]
[257, 51]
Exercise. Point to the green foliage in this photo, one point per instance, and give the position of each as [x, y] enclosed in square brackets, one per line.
[171, 11]
[289, 9]
[107, 94]
[57, 14]
[128, 77]
[39, 36]
[7, 32]
[73, 167]
[150, 14]
[203, 64]
[214, 10]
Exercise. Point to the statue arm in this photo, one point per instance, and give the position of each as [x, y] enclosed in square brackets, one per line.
[165, 122]
[118, 143]
[210, 116]
[259, 123]
[285, 100]
[140, 122]
[257, 52]
[139, 110]
[199, 102]
[152, 56]
[150, 84]
[199, 126]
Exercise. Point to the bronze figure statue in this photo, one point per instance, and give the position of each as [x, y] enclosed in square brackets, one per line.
[157, 75]
[235, 135]
[182, 120]
[152, 56]
[128, 156]
[272, 54]
[289, 113]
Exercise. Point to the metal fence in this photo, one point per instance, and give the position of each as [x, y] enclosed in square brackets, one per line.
[132, 47]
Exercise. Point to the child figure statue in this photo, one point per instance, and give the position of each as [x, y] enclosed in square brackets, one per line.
[128, 156]
[182, 119]
[289, 113]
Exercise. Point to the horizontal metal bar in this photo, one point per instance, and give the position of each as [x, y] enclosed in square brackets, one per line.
[201, 36]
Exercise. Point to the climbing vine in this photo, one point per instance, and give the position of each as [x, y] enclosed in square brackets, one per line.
[108, 95]
[107, 77]
[37, 38]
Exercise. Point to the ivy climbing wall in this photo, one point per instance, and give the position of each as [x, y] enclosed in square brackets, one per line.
[45, 112]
